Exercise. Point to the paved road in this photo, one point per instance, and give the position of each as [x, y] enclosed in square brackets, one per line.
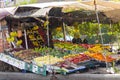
[30, 76]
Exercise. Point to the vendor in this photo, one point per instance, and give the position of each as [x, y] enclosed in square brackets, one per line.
[85, 41]
[76, 39]
[118, 51]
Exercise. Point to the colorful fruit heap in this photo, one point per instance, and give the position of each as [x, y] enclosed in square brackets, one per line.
[47, 60]
[34, 36]
[69, 46]
[65, 64]
[26, 55]
[87, 45]
[100, 57]
[13, 36]
[50, 51]
[96, 49]
[96, 52]
[76, 58]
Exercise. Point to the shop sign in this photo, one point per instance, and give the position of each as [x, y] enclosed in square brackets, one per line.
[36, 69]
[12, 61]
[23, 65]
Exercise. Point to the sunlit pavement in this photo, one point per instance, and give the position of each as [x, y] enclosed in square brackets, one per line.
[30, 76]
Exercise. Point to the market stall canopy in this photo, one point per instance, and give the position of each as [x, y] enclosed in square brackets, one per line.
[5, 12]
[33, 14]
[109, 8]
[85, 11]
[40, 9]
[24, 12]
[106, 5]
[80, 16]
[73, 11]
[114, 15]
[21, 12]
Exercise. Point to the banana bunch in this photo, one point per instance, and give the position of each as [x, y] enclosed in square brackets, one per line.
[47, 60]
[13, 34]
[19, 42]
[29, 31]
[46, 23]
[70, 56]
[35, 28]
[31, 36]
[96, 49]
[10, 39]
[35, 43]
[59, 29]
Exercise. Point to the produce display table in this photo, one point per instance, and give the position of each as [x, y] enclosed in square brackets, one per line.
[47, 60]
[22, 65]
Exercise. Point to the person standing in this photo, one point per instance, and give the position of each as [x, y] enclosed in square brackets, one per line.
[76, 39]
[85, 41]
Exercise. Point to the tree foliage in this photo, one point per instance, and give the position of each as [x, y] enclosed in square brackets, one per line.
[91, 29]
[27, 2]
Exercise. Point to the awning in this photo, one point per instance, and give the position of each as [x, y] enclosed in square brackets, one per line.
[31, 13]
[5, 12]
[24, 12]
[41, 12]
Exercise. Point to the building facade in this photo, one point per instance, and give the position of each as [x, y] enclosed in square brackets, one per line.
[41, 1]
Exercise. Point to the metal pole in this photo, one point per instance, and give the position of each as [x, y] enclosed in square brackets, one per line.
[26, 39]
[48, 37]
[104, 52]
[64, 31]
[118, 40]
[25, 35]
[96, 12]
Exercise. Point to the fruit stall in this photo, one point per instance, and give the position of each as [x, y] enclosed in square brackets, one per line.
[33, 50]
[62, 59]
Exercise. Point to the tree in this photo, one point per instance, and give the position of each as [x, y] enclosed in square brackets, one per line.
[24, 2]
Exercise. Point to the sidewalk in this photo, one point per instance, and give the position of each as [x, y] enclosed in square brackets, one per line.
[30, 76]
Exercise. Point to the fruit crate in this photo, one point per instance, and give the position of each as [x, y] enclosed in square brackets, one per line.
[70, 70]
[103, 64]
[22, 65]
[89, 64]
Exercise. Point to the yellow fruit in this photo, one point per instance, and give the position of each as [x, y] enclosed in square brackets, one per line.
[13, 34]
[35, 27]
[47, 60]
[19, 42]
[19, 33]
[31, 36]
[10, 39]
[46, 23]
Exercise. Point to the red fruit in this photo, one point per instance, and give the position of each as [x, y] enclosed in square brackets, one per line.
[76, 61]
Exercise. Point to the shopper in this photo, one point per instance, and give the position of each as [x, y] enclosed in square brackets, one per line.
[76, 39]
[85, 41]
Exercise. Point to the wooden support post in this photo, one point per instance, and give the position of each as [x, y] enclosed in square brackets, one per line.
[26, 43]
[64, 32]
